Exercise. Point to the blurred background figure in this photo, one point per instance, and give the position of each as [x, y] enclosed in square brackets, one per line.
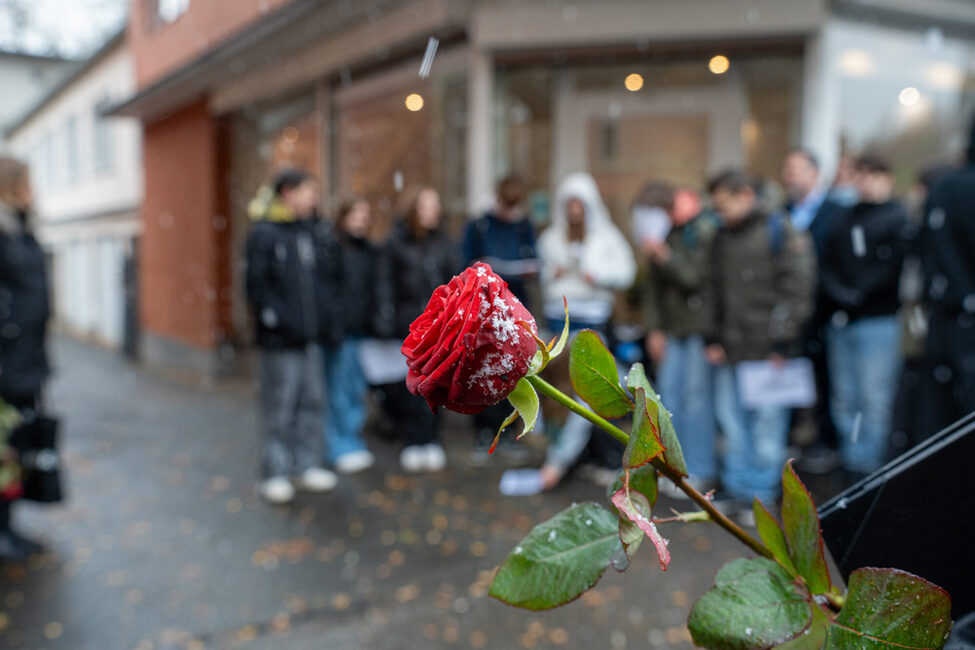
[293, 274]
[417, 259]
[345, 384]
[948, 256]
[675, 318]
[585, 258]
[811, 208]
[759, 291]
[860, 275]
[504, 238]
[24, 311]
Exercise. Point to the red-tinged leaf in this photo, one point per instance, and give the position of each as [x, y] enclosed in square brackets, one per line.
[887, 609]
[644, 443]
[771, 533]
[803, 532]
[595, 379]
[635, 507]
[641, 479]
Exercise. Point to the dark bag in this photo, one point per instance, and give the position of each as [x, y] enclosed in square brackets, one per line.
[36, 442]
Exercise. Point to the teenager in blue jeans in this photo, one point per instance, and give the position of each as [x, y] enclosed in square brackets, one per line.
[345, 410]
[759, 291]
[674, 316]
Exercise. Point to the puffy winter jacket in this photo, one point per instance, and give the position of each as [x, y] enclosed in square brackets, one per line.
[758, 292]
[360, 260]
[24, 308]
[410, 268]
[294, 283]
[492, 239]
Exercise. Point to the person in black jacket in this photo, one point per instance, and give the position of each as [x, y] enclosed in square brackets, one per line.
[504, 238]
[293, 273]
[24, 311]
[860, 275]
[417, 259]
[345, 384]
[948, 265]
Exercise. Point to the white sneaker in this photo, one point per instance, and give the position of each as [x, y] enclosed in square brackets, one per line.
[413, 458]
[435, 457]
[277, 490]
[354, 461]
[317, 479]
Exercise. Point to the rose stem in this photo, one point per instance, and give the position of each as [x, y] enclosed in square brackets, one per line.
[718, 517]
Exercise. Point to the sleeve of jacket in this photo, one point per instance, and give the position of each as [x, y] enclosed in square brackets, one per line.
[384, 314]
[618, 267]
[712, 306]
[261, 292]
[687, 267]
[795, 285]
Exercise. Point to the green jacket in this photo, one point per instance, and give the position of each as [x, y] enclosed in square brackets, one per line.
[673, 301]
[759, 288]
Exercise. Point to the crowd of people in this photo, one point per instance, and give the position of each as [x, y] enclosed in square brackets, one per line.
[879, 298]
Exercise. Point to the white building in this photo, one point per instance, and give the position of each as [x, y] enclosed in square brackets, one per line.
[25, 78]
[87, 175]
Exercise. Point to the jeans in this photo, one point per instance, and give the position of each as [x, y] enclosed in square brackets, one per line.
[755, 441]
[864, 365]
[345, 409]
[684, 382]
[291, 410]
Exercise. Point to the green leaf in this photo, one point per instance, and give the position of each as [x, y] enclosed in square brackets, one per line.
[754, 604]
[642, 480]
[889, 608]
[559, 559]
[771, 533]
[814, 637]
[644, 444]
[592, 370]
[634, 507]
[802, 531]
[674, 455]
[525, 400]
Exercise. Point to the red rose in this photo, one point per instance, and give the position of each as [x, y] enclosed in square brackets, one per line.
[467, 351]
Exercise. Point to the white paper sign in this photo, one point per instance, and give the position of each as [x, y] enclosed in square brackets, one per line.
[650, 223]
[381, 361]
[790, 385]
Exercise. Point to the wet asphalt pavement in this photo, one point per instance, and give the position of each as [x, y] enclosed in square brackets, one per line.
[163, 543]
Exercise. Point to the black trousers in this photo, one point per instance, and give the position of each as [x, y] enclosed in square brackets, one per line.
[410, 414]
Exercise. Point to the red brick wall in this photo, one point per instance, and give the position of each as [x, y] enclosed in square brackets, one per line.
[162, 48]
[183, 282]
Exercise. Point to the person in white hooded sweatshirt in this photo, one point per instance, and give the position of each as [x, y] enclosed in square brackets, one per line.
[585, 258]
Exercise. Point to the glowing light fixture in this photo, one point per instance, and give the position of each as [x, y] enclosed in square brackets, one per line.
[856, 63]
[633, 82]
[909, 96]
[719, 64]
[290, 135]
[414, 102]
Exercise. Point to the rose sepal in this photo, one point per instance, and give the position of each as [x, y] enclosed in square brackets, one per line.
[547, 352]
[525, 400]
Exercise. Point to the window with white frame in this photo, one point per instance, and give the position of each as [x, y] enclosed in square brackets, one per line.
[103, 141]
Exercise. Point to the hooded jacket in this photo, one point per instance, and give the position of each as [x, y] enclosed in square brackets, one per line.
[24, 307]
[293, 277]
[603, 255]
[948, 241]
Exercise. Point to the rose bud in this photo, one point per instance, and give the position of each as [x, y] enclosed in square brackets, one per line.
[467, 350]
